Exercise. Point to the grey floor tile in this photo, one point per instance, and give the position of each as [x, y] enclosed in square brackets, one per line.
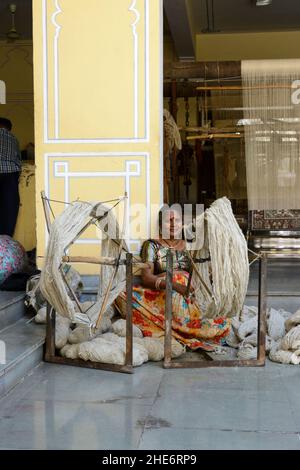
[64, 383]
[267, 379]
[71, 425]
[198, 439]
[219, 410]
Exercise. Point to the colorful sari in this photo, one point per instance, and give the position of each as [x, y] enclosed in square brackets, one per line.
[188, 325]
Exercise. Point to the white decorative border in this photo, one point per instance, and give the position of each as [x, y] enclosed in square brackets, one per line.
[132, 168]
[134, 139]
[161, 104]
[2, 92]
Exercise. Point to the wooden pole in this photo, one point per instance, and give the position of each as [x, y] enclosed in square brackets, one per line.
[205, 70]
[215, 136]
[101, 261]
[104, 304]
[168, 310]
[241, 88]
[129, 327]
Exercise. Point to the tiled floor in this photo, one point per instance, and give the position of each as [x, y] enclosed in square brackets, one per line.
[61, 407]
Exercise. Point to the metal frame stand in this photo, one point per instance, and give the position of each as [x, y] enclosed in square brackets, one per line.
[50, 351]
[210, 362]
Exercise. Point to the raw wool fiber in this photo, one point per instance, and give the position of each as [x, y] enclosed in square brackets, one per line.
[226, 246]
[119, 328]
[41, 316]
[70, 351]
[171, 132]
[287, 351]
[83, 333]
[282, 339]
[111, 349]
[63, 231]
[155, 348]
[62, 327]
[294, 320]
[291, 341]
[285, 357]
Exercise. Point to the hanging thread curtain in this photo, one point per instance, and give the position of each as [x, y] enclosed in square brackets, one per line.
[272, 133]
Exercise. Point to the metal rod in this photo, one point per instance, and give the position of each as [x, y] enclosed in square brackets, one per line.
[129, 327]
[46, 211]
[168, 310]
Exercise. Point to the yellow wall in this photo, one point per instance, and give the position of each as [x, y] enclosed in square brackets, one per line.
[247, 46]
[97, 105]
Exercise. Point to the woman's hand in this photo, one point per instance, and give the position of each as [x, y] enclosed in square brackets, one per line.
[181, 289]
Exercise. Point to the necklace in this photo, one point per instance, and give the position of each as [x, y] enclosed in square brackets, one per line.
[173, 247]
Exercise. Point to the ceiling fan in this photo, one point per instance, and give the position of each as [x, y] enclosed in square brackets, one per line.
[12, 34]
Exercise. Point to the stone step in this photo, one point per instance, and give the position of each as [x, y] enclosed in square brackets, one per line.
[12, 308]
[21, 349]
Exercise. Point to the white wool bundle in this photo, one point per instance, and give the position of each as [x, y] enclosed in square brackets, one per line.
[251, 339]
[276, 328]
[294, 320]
[286, 315]
[83, 333]
[291, 341]
[119, 328]
[70, 351]
[41, 316]
[270, 343]
[226, 245]
[248, 327]
[62, 331]
[247, 351]
[285, 357]
[138, 349]
[62, 326]
[235, 324]
[155, 348]
[232, 340]
[248, 312]
[109, 336]
[110, 352]
[101, 350]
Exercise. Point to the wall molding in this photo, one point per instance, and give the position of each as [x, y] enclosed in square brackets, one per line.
[61, 169]
[58, 138]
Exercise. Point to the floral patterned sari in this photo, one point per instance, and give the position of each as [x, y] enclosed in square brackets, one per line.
[188, 325]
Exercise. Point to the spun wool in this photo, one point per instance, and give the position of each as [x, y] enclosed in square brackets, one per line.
[225, 243]
[63, 231]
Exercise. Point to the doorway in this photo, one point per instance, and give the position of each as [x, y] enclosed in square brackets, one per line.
[16, 71]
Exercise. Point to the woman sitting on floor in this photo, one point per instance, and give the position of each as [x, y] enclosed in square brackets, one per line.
[188, 325]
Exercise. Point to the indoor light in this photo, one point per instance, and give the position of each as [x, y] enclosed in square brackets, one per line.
[263, 3]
